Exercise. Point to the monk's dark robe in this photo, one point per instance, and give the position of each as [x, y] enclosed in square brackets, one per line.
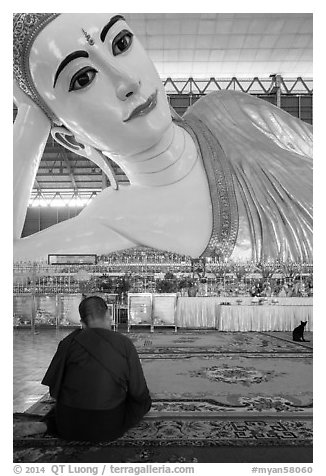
[99, 386]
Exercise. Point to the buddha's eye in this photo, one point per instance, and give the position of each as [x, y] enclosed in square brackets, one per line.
[82, 78]
[121, 42]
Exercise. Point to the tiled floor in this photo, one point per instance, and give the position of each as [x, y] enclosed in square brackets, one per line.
[32, 355]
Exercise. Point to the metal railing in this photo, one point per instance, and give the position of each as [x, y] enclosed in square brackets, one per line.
[254, 85]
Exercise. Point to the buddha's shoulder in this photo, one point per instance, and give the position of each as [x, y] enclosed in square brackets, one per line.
[245, 113]
[229, 103]
[114, 203]
[114, 195]
[131, 195]
[222, 96]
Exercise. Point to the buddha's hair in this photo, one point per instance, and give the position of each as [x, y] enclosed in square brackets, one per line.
[92, 306]
[26, 28]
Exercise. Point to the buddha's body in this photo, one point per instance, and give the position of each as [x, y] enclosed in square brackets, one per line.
[171, 203]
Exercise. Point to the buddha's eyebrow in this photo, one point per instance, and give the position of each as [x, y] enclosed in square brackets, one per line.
[106, 28]
[72, 56]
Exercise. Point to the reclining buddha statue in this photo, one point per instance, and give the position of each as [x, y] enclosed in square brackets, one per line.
[232, 178]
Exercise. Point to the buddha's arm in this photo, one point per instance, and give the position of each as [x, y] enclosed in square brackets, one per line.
[79, 235]
[31, 130]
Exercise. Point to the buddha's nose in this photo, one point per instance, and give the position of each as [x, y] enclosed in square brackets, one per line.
[127, 88]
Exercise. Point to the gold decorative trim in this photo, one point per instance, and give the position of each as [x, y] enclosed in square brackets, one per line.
[26, 28]
[221, 187]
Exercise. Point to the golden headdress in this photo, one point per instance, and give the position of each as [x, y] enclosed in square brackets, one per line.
[26, 28]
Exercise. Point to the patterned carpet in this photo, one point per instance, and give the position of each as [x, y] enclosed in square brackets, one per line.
[175, 426]
[208, 342]
[209, 390]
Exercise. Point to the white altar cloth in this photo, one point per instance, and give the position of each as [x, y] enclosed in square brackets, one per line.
[207, 312]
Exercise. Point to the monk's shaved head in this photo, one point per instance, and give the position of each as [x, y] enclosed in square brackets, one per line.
[93, 307]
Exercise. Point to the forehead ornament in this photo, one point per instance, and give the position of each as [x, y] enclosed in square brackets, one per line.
[88, 37]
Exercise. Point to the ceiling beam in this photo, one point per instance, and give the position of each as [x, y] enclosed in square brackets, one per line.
[70, 171]
[37, 186]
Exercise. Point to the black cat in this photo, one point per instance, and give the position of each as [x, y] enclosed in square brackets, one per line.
[297, 333]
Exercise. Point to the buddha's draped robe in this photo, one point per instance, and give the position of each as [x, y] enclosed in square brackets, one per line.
[269, 153]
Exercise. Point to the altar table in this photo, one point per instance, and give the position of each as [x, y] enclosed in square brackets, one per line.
[207, 312]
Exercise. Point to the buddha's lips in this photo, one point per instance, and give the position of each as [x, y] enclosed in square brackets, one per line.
[145, 108]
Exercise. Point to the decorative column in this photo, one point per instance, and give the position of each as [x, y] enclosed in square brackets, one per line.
[278, 89]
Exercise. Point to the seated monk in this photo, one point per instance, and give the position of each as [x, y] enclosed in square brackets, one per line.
[97, 380]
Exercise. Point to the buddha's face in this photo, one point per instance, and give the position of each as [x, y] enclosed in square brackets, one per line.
[96, 77]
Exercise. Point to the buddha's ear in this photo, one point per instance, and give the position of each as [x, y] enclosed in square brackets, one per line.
[66, 138]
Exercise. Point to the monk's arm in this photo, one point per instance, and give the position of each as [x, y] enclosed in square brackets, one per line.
[137, 388]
